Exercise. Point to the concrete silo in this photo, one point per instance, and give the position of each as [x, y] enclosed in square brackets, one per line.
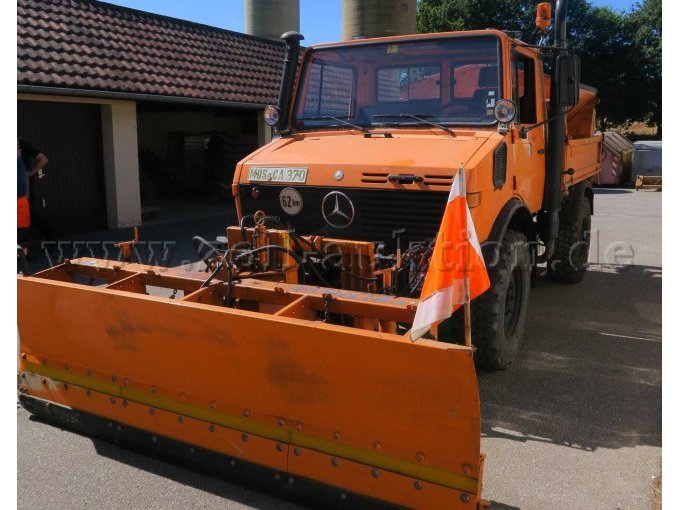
[377, 18]
[271, 18]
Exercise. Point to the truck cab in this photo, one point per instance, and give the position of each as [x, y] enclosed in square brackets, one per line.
[373, 132]
[363, 122]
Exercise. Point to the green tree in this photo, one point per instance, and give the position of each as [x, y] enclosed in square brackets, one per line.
[433, 17]
[645, 24]
[603, 40]
[447, 15]
[620, 52]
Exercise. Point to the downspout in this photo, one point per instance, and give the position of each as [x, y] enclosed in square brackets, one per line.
[292, 40]
[552, 193]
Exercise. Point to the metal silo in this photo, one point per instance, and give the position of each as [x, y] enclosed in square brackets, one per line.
[271, 18]
[377, 18]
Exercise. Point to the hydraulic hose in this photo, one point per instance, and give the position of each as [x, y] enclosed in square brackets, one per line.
[299, 239]
[198, 244]
[243, 228]
[218, 268]
[266, 247]
[349, 273]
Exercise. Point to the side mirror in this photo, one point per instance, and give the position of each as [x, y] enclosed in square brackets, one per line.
[568, 79]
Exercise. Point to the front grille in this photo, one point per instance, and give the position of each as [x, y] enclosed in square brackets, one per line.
[380, 215]
[439, 180]
[418, 213]
[374, 177]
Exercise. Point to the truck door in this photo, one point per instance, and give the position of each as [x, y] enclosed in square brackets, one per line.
[529, 152]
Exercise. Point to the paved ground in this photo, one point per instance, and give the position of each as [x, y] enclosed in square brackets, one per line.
[576, 423]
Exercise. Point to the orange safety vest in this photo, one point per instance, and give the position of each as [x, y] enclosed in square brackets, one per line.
[23, 212]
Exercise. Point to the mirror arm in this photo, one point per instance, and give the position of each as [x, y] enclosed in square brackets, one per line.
[523, 132]
[540, 46]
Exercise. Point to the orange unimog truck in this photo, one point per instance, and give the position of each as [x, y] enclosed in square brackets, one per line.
[372, 133]
[287, 360]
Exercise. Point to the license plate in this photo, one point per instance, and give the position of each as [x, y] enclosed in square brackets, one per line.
[277, 174]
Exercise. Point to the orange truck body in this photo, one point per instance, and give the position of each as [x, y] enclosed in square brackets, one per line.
[245, 374]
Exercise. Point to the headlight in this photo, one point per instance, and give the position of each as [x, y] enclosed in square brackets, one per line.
[271, 115]
[504, 111]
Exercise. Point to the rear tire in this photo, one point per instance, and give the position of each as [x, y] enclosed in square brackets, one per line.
[570, 259]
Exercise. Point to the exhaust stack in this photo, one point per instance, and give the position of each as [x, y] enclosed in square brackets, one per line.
[555, 150]
[292, 40]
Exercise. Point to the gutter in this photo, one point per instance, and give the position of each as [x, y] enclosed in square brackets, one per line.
[129, 96]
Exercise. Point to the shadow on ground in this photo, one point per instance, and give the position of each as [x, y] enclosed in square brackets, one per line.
[589, 373]
[239, 490]
[163, 244]
[244, 491]
[495, 505]
[612, 191]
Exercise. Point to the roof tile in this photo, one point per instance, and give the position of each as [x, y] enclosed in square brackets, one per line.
[93, 45]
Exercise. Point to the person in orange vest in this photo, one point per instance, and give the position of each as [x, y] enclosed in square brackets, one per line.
[30, 161]
[23, 209]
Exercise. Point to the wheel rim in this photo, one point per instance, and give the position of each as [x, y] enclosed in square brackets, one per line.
[513, 301]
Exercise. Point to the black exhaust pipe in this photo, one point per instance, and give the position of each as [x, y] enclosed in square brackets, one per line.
[292, 40]
[552, 193]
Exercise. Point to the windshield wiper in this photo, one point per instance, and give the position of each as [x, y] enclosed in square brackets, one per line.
[416, 116]
[337, 119]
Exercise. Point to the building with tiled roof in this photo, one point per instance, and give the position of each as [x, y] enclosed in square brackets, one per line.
[154, 105]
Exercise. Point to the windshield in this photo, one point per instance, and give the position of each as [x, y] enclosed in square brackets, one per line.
[443, 81]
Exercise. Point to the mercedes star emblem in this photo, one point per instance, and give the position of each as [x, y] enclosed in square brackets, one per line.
[337, 209]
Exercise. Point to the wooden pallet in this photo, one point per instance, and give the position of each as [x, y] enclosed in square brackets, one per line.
[648, 182]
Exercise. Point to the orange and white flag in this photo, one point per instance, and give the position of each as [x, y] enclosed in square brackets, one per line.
[456, 256]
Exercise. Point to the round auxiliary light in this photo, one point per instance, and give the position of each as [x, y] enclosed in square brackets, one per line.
[271, 115]
[504, 111]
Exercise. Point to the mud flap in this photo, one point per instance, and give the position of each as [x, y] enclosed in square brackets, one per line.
[366, 412]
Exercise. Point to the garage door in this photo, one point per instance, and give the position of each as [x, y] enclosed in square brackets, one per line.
[70, 199]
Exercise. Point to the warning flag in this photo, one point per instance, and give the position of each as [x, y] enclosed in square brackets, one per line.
[456, 256]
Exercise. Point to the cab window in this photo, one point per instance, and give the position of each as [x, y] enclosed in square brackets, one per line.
[409, 83]
[330, 91]
[524, 89]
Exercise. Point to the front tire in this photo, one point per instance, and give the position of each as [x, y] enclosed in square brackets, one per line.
[498, 315]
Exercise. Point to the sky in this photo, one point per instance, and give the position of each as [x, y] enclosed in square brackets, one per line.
[320, 20]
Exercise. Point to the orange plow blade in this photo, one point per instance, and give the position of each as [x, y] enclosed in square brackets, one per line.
[262, 383]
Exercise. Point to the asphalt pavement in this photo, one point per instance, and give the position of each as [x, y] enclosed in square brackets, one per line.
[574, 423]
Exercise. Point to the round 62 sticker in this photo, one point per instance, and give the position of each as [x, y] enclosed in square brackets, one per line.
[291, 201]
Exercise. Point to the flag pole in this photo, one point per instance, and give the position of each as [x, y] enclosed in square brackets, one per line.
[466, 305]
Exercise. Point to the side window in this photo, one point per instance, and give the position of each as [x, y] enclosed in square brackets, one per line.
[330, 91]
[524, 89]
[409, 83]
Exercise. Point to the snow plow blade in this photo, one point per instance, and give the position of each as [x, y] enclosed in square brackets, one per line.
[249, 376]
